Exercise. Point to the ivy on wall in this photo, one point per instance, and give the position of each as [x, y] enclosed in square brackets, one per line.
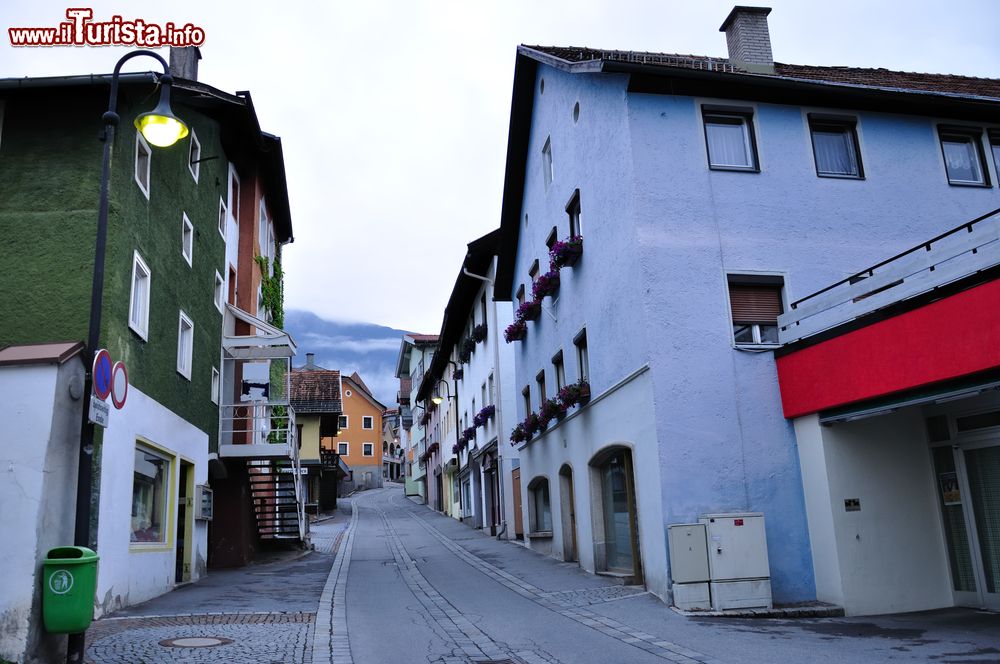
[272, 288]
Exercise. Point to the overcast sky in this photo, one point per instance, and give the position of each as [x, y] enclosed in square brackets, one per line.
[393, 115]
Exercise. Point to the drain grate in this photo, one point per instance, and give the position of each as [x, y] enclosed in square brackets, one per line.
[196, 642]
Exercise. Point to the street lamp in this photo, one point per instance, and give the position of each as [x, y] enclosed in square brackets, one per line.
[161, 128]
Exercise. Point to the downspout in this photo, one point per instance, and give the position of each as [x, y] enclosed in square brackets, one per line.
[458, 456]
[498, 392]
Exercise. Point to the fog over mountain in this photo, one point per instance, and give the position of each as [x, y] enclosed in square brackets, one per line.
[369, 349]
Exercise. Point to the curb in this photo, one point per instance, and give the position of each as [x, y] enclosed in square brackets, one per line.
[793, 612]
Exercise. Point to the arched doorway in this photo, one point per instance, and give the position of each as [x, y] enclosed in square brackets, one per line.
[567, 509]
[616, 531]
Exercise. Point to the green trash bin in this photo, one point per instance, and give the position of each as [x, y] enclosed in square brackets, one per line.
[69, 583]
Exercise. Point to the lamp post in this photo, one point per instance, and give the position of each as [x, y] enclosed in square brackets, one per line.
[437, 399]
[160, 127]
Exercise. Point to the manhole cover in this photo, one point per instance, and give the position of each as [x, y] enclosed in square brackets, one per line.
[196, 642]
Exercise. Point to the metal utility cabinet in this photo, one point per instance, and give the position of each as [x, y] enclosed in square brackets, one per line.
[689, 566]
[740, 577]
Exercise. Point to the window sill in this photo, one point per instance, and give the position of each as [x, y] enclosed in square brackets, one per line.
[978, 185]
[736, 169]
[540, 534]
[835, 176]
[756, 347]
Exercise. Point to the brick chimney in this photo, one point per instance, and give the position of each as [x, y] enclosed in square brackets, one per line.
[748, 39]
[184, 62]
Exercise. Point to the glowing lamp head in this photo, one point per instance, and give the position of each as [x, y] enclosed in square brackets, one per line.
[437, 399]
[160, 127]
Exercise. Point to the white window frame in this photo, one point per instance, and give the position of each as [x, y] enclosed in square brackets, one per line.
[548, 170]
[347, 421]
[2, 102]
[347, 448]
[368, 446]
[223, 216]
[216, 385]
[194, 156]
[734, 277]
[234, 209]
[744, 117]
[367, 422]
[220, 292]
[140, 327]
[141, 144]
[262, 228]
[185, 351]
[187, 239]
[973, 136]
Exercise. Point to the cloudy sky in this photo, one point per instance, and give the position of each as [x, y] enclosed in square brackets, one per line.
[393, 114]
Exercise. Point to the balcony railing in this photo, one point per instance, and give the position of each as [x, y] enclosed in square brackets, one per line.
[963, 251]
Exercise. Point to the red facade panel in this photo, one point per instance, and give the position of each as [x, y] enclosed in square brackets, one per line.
[950, 338]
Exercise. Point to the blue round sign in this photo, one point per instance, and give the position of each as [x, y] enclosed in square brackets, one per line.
[102, 374]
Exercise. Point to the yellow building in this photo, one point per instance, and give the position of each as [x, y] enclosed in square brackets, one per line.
[316, 401]
[359, 439]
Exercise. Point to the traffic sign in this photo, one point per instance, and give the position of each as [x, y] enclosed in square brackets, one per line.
[102, 374]
[99, 412]
[119, 384]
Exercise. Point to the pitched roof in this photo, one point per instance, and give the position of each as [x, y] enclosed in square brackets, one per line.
[423, 338]
[881, 78]
[357, 379]
[316, 391]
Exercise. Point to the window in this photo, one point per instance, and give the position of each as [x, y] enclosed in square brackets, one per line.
[835, 147]
[963, 156]
[368, 449]
[755, 303]
[1, 115]
[551, 239]
[526, 395]
[994, 146]
[540, 512]
[185, 345]
[223, 211]
[142, 159]
[187, 238]
[559, 371]
[194, 156]
[232, 285]
[367, 422]
[533, 270]
[730, 140]
[520, 294]
[262, 231]
[485, 399]
[582, 356]
[138, 309]
[547, 172]
[342, 424]
[215, 385]
[482, 308]
[220, 293]
[491, 393]
[150, 484]
[234, 193]
[540, 381]
[343, 449]
[573, 212]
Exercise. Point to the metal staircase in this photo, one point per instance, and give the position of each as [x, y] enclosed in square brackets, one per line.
[277, 504]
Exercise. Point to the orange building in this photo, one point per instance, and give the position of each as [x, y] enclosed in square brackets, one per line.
[359, 439]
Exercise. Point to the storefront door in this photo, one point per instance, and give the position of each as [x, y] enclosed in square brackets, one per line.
[968, 476]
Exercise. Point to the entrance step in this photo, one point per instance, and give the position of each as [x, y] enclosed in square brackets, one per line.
[621, 578]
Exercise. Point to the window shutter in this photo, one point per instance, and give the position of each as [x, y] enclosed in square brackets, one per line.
[755, 303]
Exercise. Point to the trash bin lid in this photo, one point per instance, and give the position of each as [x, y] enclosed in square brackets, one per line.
[71, 555]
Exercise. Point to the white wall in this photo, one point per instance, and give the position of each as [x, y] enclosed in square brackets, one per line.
[624, 415]
[39, 438]
[129, 574]
[890, 556]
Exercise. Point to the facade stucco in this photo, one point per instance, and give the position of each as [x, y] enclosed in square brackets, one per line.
[662, 231]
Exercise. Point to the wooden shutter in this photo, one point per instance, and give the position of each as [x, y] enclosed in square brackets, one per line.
[756, 303]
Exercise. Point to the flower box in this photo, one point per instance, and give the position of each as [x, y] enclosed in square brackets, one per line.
[574, 394]
[487, 412]
[566, 252]
[529, 310]
[480, 332]
[517, 435]
[515, 331]
[546, 284]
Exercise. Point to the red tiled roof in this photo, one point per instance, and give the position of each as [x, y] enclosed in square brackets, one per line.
[876, 78]
[316, 391]
[424, 338]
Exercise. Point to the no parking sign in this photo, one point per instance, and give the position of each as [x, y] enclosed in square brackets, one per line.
[108, 380]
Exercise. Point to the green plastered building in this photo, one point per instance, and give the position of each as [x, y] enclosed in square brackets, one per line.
[177, 245]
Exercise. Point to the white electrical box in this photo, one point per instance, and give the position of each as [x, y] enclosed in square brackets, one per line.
[204, 504]
[737, 560]
[689, 566]
[688, 553]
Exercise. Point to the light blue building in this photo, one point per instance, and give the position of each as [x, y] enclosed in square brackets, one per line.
[711, 193]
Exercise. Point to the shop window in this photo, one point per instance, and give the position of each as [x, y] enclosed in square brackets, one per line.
[149, 497]
[540, 511]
